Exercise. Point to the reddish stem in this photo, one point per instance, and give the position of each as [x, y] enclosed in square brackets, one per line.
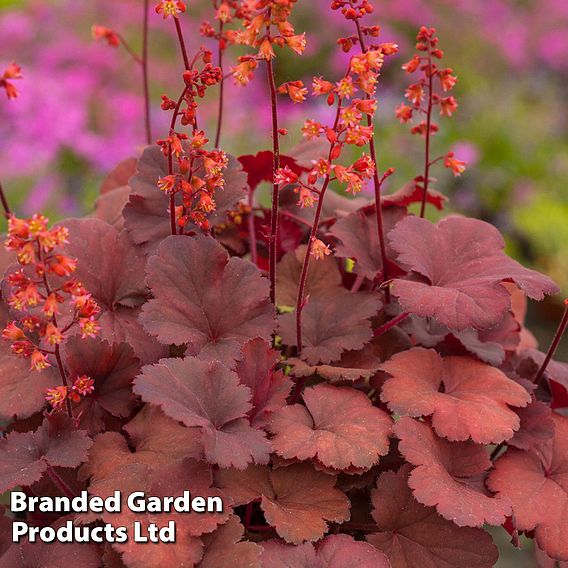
[145, 79]
[390, 324]
[182, 44]
[554, 345]
[427, 163]
[221, 88]
[252, 229]
[313, 232]
[275, 165]
[377, 184]
[60, 483]
[7, 210]
[248, 514]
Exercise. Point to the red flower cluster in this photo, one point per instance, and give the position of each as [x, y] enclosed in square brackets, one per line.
[43, 290]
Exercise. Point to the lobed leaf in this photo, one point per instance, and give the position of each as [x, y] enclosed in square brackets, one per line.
[536, 483]
[297, 500]
[195, 284]
[209, 396]
[414, 536]
[456, 268]
[339, 426]
[25, 457]
[466, 398]
[450, 476]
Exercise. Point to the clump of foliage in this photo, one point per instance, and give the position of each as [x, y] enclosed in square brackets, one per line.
[354, 380]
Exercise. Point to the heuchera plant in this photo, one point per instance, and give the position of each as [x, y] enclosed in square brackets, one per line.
[354, 380]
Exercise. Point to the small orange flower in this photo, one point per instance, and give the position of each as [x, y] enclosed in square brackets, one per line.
[452, 163]
[297, 43]
[319, 249]
[12, 332]
[110, 36]
[56, 397]
[170, 8]
[39, 361]
[84, 385]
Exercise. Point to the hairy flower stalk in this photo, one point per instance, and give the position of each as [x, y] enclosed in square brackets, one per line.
[145, 77]
[5, 205]
[275, 165]
[376, 183]
[221, 103]
[428, 133]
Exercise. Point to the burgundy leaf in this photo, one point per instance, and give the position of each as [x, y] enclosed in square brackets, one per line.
[335, 551]
[119, 175]
[24, 457]
[450, 476]
[414, 536]
[359, 239]
[196, 300]
[338, 426]
[536, 482]
[22, 391]
[323, 275]
[474, 402]
[270, 388]
[456, 270]
[111, 269]
[297, 500]
[332, 323]
[113, 369]
[209, 396]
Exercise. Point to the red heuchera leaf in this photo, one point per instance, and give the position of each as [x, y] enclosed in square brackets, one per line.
[53, 554]
[258, 167]
[537, 426]
[474, 400]
[111, 269]
[113, 369]
[119, 175]
[109, 206]
[209, 396]
[322, 275]
[359, 239]
[335, 551]
[22, 391]
[24, 457]
[449, 476]
[412, 193]
[270, 388]
[456, 269]
[194, 284]
[537, 485]
[414, 536]
[223, 548]
[339, 426]
[146, 215]
[297, 500]
[155, 437]
[331, 324]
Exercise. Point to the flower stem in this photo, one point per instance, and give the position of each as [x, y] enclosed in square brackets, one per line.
[221, 87]
[554, 345]
[145, 79]
[275, 165]
[182, 44]
[376, 183]
[7, 210]
[252, 229]
[427, 163]
[313, 232]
